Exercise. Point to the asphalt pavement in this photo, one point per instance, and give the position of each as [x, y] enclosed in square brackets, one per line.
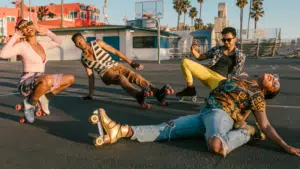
[63, 140]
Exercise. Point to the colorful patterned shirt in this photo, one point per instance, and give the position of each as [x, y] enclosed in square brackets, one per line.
[236, 97]
[217, 52]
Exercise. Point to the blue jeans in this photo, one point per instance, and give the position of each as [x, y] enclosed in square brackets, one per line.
[208, 123]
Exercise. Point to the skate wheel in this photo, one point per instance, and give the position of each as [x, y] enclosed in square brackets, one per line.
[168, 91]
[164, 103]
[148, 106]
[94, 119]
[22, 120]
[194, 99]
[38, 113]
[98, 141]
[180, 99]
[172, 91]
[146, 94]
[18, 107]
[150, 93]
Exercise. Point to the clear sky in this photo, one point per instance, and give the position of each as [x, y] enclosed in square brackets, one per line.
[278, 13]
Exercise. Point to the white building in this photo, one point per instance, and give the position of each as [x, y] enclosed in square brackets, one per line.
[136, 43]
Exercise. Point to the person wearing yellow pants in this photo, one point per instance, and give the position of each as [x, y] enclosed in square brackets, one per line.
[227, 60]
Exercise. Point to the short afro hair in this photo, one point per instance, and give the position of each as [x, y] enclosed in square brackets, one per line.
[229, 30]
[76, 35]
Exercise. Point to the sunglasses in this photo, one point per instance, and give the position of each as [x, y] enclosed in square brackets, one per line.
[276, 80]
[228, 40]
[25, 24]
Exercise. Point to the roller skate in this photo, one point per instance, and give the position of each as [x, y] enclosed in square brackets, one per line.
[109, 131]
[254, 131]
[29, 113]
[161, 94]
[190, 91]
[44, 105]
[141, 98]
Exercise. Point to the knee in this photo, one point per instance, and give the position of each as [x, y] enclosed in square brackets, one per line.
[121, 78]
[184, 61]
[71, 79]
[215, 144]
[48, 81]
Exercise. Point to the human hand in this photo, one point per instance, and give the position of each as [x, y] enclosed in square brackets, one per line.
[20, 33]
[292, 150]
[136, 66]
[41, 30]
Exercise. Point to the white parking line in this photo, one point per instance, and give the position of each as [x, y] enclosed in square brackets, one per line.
[294, 67]
[273, 67]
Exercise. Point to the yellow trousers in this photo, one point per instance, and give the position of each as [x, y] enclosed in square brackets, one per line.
[208, 77]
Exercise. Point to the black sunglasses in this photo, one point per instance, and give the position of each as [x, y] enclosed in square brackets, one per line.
[228, 40]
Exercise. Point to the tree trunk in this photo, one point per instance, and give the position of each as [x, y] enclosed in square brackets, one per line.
[249, 19]
[200, 12]
[255, 24]
[241, 29]
[62, 14]
[178, 21]
[184, 20]
[22, 9]
[192, 22]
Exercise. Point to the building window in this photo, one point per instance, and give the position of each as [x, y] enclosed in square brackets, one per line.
[73, 14]
[11, 19]
[92, 16]
[83, 15]
[144, 42]
[96, 18]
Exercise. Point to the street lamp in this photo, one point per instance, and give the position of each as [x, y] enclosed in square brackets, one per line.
[149, 16]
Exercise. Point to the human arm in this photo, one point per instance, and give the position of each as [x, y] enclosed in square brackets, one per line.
[268, 130]
[54, 42]
[91, 78]
[11, 49]
[197, 55]
[114, 51]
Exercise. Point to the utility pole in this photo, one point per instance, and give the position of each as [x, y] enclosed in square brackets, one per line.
[22, 9]
[62, 14]
[30, 10]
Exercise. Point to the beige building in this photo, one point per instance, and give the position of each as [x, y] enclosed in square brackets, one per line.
[221, 21]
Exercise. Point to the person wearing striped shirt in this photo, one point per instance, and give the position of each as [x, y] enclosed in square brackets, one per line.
[96, 57]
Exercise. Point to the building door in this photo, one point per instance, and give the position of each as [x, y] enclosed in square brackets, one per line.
[113, 41]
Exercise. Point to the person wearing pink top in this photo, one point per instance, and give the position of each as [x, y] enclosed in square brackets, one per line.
[34, 85]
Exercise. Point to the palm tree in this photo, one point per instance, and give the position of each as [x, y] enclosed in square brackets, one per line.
[200, 13]
[178, 5]
[193, 13]
[42, 12]
[186, 7]
[249, 19]
[198, 24]
[241, 4]
[257, 11]
[210, 26]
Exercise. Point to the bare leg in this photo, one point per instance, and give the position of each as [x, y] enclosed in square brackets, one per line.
[65, 82]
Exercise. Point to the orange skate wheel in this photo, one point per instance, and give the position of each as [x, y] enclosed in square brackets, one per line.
[172, 91]
[150, 93]
[18, 107]
[38, 113]
[98, 141]
[94, 119]
[22, 120]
